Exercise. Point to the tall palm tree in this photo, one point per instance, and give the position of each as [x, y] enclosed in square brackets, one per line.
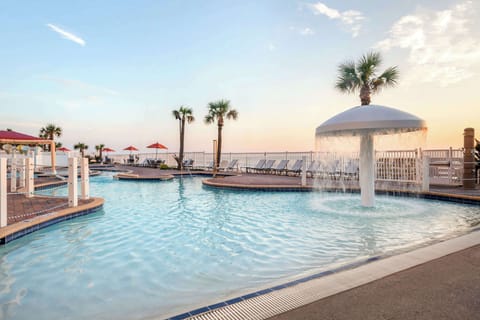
[82, 147]
[183, 114]
[99, 148]
[50, 131]
[219, 110]
[363, 77]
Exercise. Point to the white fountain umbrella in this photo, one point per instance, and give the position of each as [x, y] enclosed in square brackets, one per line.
[367, 121]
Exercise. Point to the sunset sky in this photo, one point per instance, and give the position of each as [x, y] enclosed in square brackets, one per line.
[112, 71]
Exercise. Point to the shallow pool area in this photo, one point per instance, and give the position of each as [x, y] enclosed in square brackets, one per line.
[161, 248]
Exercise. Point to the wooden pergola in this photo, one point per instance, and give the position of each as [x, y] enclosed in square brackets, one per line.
[17, 138]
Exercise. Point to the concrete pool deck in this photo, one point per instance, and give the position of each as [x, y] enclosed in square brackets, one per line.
[440, 281]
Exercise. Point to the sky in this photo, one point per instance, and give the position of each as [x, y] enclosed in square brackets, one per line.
[111, 71]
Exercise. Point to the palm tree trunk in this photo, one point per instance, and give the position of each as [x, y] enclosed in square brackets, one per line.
[219, 144]
[365, 95]
[182, 140]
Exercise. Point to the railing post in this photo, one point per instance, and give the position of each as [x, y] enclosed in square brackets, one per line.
[84, 171]
[29, 166]
[72, 182]
[3, 192]
[426, 174]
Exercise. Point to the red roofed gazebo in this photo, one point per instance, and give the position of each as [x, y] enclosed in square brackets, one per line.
[13, 137]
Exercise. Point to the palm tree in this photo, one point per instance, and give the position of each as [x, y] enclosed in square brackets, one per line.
[182, 114]
[82, 147]
[50, 131]
[219, 110]
[99, 148]
[363, 76]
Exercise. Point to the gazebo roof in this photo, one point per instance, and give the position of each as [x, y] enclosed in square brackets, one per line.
[13, 135]
[21, 138]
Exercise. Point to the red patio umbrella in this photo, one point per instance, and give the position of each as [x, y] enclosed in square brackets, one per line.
[108, 150]
[131, 148]
[156, 146]
[64, 149]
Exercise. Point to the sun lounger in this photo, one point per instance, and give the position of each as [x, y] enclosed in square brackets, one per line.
[209, 166]
[223, 165]
[296, 168]
[268, 167]
[260, 164]
[188, 164]
[281, 167]
[231, 166]
[351, 169]
[313, 168]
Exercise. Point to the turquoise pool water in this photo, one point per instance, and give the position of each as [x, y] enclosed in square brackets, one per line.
[161, 248]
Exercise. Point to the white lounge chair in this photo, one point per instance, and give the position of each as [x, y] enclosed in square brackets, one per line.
[260, 164]
[268, 166]
[281, 167]
[296, 168]
[313, 168]
[231, 166]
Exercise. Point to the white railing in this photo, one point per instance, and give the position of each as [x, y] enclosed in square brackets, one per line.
[446, 165]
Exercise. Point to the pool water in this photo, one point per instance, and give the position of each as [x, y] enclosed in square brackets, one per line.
[160, 248]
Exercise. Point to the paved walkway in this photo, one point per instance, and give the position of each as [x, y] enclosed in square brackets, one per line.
[445, 288]
[20, 208]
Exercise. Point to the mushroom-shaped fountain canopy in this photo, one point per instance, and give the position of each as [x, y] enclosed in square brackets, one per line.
[372, 119]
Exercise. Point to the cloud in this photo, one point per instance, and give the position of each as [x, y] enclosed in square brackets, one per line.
[351, 19]
[306, 32]
[67, 35]
[442, 46]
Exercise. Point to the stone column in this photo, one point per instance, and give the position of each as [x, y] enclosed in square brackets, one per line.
[84, 172]
[72, 182]
[30, 177]
[468, 158]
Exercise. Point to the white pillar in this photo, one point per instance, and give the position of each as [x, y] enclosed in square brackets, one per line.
[84, 172]
[29, 165]
[72, 182]
[304, 171]
[426, 174]
[3, 192]
[367, 170]
[13, 175]
[22, 173]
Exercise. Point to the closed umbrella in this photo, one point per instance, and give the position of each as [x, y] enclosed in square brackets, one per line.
[156, 146]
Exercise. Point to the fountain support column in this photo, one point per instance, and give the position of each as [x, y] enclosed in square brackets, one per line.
[367, 170]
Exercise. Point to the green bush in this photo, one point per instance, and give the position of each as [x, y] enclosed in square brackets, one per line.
[163, 166]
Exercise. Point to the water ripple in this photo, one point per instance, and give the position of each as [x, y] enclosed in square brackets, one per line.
[172, 245]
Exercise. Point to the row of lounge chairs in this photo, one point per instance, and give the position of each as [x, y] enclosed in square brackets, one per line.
[316, 168]
[268, 167]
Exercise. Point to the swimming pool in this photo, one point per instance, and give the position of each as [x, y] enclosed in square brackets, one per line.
[161, 248]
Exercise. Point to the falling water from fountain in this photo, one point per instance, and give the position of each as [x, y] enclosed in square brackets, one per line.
[367, 122]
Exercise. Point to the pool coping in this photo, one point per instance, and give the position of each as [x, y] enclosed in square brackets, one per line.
[22, 228]
[430, 195]
[266, 303]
